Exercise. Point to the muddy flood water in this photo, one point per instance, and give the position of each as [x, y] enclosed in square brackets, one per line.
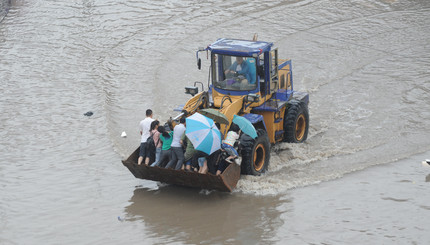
[358, 179]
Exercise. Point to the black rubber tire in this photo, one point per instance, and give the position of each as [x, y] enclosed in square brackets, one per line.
[255, 153]
[296, 123]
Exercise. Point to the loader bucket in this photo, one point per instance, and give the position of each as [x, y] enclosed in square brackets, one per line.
[225, 182]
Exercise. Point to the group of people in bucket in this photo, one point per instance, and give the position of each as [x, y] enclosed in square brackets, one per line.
[174, 150]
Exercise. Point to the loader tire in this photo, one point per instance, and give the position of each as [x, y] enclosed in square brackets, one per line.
[255, 153]
[296, 124]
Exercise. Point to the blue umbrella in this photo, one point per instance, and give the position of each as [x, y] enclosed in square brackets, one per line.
[245, 125]
[203, 133]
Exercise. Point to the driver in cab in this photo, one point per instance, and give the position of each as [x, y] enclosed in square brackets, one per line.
[239, 68]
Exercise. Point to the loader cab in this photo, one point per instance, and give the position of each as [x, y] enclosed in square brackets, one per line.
[235, 74]
[238, 66]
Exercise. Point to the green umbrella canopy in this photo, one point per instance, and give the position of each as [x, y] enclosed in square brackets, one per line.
[215, 115]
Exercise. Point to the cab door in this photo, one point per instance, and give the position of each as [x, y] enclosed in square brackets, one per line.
[274, 79]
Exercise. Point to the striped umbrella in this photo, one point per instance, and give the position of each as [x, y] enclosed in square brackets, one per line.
[203, 133]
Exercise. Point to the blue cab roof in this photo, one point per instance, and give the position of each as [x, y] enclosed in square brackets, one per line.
[238, 47]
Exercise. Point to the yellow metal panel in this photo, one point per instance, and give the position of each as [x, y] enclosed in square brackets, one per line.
[229, 111]
[217, 98]
[193, 103]
[271, 126]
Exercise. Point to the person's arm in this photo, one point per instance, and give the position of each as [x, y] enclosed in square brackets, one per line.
[157, 138]
[232, 68]
[181, 141]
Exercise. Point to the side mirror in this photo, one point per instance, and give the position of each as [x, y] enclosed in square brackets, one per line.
[199, 64]
[191, 90]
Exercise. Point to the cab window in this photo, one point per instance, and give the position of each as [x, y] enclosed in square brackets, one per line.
[234, 72]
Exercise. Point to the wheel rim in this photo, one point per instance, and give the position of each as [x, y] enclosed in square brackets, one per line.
[300, 127]
[259, 156]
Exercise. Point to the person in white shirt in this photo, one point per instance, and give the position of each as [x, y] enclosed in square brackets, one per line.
[144, 127]
[229, 141]
[177, 151]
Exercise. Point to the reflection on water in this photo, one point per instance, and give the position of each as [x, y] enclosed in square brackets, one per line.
[182, 214]
[428, 178]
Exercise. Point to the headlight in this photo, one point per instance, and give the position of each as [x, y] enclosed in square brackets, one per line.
[252, 98]
[191, 90]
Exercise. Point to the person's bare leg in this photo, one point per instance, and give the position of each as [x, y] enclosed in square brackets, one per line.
[229, 159]
[139, 160]
[218, 172]
[204, 169]
[147, 161]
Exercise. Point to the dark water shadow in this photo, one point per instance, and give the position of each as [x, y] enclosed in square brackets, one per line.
[428, 178]
[192, 216]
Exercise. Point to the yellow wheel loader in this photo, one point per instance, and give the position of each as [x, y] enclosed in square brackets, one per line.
[246, 78]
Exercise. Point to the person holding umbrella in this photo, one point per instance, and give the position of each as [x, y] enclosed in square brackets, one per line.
[229, 141]
[204, 135]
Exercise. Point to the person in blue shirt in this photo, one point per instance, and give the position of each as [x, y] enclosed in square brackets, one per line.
[241, 67]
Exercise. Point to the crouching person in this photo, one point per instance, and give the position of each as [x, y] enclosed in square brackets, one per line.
[189, 152]
[199, 159]
[228, 144]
